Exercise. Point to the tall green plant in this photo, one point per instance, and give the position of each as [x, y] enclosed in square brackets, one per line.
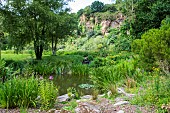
[81, 70]
[24, 93]
[19, 92]
[48, 93]
[125, 69]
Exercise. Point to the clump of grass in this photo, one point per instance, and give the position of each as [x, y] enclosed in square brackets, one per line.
[112, 88]
[80, 70]
[19, 92]
[23, 93]
[95, 94]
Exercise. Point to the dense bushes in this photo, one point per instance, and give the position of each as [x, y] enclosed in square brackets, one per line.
[154, 46]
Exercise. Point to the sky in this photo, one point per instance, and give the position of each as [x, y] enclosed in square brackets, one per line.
[80, 4]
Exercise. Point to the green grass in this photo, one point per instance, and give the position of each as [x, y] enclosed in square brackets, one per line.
[15, 57]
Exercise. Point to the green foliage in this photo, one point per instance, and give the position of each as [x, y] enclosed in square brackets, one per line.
[97, 6]
[2, 69]
[7, 71]
[79, 13]
[72, 93]
[149, 14]
[155, 93]
[122, 43]
[105, 16]
[81, 70]
[48, 17]
[19, 92]
[93, 43]
[97, 62]
[48, 93]
[58, 65]
[87, 11]
[86, 86]
[71, 106]
[102, 77]
[153, 46]
[24, 92]
[110, 8]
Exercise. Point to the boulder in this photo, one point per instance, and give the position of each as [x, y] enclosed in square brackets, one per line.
[122, 91]
[63, 98]
[118, 99]
[120, 111]
[86, 97]
[121, 103]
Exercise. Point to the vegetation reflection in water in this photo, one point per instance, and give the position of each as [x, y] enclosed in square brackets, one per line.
[65, 81]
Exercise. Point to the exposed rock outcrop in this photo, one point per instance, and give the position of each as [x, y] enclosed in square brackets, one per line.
[105, 24]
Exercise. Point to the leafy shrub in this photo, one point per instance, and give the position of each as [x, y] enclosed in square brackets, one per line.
[92, 43]
[72, 93]
[90, 34]
[48, 93]
[97, 62]
[153, 46]
[6, 72]
[122, 43]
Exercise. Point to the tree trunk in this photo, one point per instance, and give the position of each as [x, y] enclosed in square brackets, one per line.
[54, 46]
[38, 44]
[38, 51]
[1, 36]
[54, 49]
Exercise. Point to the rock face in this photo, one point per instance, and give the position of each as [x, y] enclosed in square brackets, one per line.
[105, 24]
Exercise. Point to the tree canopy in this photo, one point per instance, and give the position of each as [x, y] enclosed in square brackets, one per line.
[97, 6]
[32, 21]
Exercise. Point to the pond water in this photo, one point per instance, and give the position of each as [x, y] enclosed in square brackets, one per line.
[65, 81]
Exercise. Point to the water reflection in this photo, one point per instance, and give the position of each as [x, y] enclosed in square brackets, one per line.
[66, 81]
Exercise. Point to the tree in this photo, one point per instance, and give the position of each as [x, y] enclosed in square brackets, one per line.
[154, 46]
[97, 6]
[80, 12]
[28, 21]
[149, 14]
[110, 8]
[87, 11]
[63, 29]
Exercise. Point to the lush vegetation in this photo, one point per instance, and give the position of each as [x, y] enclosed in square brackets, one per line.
[103, 47]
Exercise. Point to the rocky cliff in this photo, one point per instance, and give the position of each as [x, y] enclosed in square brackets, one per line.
[105, 24]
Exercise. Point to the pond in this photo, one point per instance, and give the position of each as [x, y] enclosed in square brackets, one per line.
[65, 81]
